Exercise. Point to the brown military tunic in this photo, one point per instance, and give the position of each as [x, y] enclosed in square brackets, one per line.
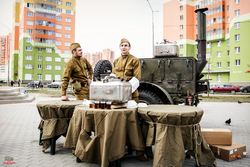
[128, 66]
[77, 69]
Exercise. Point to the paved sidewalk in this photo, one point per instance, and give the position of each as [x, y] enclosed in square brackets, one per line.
[19, 135]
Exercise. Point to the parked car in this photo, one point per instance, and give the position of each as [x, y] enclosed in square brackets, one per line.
[225, 88]
[34, 84]
[55, 85]
[211, 85]
[245, 89]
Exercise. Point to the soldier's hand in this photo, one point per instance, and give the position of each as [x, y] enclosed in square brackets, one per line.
[65, 98]
[89, 81]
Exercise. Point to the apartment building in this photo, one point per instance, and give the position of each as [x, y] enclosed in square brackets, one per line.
[4, 43]
[42, 33]
[228, 36]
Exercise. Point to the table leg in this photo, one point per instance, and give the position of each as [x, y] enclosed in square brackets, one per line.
[40, 138]
[118, 163]
[53, 145]
[129, 150]
[78, 160]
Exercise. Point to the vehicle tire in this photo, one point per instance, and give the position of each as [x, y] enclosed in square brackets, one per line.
[149, 97]
[101, 67]
[232, 91]
[211, 91]
[245, 91]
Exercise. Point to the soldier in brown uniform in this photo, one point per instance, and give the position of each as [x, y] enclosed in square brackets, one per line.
[127, 66]
[79, 72]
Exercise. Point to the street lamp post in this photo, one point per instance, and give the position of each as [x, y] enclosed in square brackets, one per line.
[8, 54]
[152, 27]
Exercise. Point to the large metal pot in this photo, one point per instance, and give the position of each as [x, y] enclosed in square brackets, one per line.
[113, 90]
[167, 49]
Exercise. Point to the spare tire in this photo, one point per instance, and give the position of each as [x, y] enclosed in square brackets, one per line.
[101, 67]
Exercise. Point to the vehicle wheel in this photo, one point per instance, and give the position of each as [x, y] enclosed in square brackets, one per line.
[149, 97]
[232, 91]
[211, 91]
[245, 91]
[101, 67]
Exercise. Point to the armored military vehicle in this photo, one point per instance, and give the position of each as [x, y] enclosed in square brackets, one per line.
[167, 78]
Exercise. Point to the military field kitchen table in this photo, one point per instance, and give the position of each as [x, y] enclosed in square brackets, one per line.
[55, 117]
[172, 129]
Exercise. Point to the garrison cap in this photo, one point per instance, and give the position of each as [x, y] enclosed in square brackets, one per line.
[74, 46]
[124, 40]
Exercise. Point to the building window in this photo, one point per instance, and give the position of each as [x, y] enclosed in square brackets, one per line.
[27, 76]
[28, 57]
[228, 53]
[58, 43]
[48, 50]
[58, 34]
[29, 31]
[181, 8]
[228, 8]
[68, 19]
[57, 59]
[67, 28]
[228, 64]
[67, 44]
[30, 14]
[39, 76]
[237, 1]
[237, 12]
[237, 50]
[28, 66]
[40, 58]
[58, 51]
[59, 18]
[237, 37]
[218, 77]
[68, 11]
[237, 25]
[208, 55]
[29, 40]
[218, 54]
[181, 27]
[228, 30]
[219, 43]
[181, 46]
[28, 48]
[66, 59]
[181, 36]
[228, 19]
[29, 22]
[48, 67]
[208, 66]
[209, 45]
[67, 51]
[59, 2]
[67, 35]
[48, 77]
[58, 26]
[48, 59]
[39, 66]
[219, 65]
[237, 62]
[197, 6]
[181, 17]
[59, 10]
[40, 49]
[181, 55]
[30, 5]
[68, 3]
[207, 76]
[228, 42]
[57, 67]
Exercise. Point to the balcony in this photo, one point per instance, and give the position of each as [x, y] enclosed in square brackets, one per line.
[43, 45]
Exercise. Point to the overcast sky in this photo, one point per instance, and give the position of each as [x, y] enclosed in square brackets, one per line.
[102, 24]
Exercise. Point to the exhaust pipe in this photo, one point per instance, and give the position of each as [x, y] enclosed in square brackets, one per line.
[201, 22]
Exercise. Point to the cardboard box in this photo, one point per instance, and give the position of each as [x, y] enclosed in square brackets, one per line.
[217, 136]
[228, 153]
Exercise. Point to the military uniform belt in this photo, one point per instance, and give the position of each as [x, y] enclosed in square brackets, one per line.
[84, 84]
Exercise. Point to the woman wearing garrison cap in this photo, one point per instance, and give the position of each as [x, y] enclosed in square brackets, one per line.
[128, 66]
[79, 72]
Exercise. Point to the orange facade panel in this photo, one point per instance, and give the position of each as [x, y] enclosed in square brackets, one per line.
[216, 15]
[45, 19]
[45, 27]
[215, 4]
[215, 26]
[45, 36]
